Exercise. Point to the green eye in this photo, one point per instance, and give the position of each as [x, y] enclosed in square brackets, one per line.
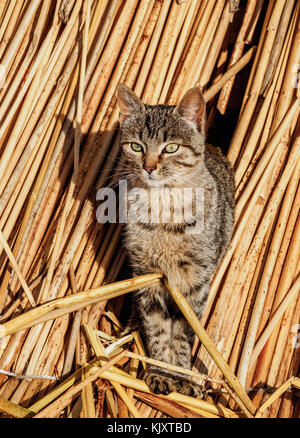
[172, 147]
[136, 147]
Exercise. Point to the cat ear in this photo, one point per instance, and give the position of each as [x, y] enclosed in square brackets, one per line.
[128, 102]
[192, 109]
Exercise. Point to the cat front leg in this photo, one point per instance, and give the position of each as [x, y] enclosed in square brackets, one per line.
[157, 330]
[180, 355]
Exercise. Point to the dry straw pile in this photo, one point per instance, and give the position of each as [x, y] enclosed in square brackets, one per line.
[59, 303]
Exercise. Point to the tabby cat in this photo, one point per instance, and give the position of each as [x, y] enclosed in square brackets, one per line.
[164, 147]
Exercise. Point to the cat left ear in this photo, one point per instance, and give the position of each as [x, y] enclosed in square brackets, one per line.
[192, 109]
[128, 102]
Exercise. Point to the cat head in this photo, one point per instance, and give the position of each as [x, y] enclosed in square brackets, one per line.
[161, 145]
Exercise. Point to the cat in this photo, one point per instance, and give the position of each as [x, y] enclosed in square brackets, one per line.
[164, 147]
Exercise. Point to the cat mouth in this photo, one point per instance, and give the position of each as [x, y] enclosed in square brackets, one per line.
[154, 181]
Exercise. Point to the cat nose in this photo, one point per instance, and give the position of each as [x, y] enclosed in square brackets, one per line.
[149, 169]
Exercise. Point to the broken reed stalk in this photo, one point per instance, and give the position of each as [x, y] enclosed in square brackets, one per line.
[99, 351]
[187, 401]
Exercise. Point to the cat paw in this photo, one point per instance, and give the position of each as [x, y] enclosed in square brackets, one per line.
[189, 388]
[160, 384]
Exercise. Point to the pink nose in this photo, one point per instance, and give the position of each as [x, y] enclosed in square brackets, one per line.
[149, 169]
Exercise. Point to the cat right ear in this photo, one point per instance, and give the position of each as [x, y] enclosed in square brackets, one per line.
[128, 102]
[192, 109]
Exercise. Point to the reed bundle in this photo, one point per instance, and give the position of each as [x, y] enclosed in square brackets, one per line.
[60, 298]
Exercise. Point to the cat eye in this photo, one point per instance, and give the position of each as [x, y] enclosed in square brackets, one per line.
[171, 148]
[136, 147]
